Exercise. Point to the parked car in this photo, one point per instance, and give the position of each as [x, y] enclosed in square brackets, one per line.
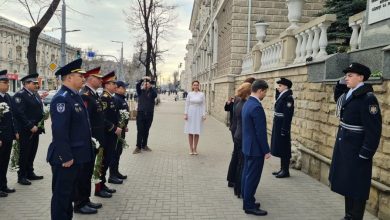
[48, 98]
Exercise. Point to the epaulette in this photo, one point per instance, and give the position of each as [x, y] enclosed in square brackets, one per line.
[64, 94]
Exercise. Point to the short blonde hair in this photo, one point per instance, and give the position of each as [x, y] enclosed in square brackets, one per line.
[244, 90]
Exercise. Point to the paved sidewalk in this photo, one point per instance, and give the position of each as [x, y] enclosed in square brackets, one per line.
[167, 183]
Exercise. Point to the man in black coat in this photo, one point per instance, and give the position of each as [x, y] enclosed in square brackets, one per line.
[146, 96]
[7, 133]
[281, 138]
[28, 113]
[357, 139]
[121, 105]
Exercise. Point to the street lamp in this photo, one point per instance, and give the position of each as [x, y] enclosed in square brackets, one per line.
[121, 75]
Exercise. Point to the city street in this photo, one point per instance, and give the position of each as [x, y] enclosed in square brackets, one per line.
[168, 183]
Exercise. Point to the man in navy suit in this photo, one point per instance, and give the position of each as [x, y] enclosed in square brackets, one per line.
[254, 146]
[71, 148]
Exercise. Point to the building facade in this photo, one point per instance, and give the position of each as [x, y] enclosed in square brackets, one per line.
[14, 40]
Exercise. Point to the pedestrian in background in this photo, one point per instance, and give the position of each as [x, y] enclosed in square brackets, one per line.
[242, 93]
[194, 115]
[254, 146]
[357, 139]
[281, 137]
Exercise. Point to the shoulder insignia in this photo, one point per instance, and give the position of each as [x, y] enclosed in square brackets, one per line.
[60, 107]
[105, 95]
[373, 109]
[64, 94]
[289, 104]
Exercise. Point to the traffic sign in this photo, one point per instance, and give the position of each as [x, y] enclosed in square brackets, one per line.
[53, 66]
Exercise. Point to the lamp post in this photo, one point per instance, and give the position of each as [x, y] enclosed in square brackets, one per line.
[121, 75]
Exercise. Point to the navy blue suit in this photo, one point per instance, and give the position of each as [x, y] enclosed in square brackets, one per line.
[71, 140]
[254, 148]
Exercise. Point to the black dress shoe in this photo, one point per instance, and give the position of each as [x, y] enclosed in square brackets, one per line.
[103, 194]
[24, 181]
[283, 174]
[33, 176]
[120, 176]
[257, 204]
[230, 184]
[105, 188]
[3, 194]
[85, 210]
[256, 212]
[115, 180]
[94, 205]
[276, 172]
[8, 190]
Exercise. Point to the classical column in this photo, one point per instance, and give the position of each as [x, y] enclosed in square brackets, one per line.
[298, 48]
[323, 39]
[303, 46]
[316, 45]
[309, 49]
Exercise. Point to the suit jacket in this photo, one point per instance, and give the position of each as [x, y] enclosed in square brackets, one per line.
[254, 129]
[71, 130]
[28, 110]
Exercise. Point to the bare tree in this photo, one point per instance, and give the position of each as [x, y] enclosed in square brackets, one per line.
[153, 18]
[39, 22]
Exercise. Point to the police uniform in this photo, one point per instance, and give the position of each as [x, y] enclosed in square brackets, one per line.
[357, 140]
[281, 138]
[7, 135]
[28, 113]
[93, 105]
[111, 117]
[145, 114]
[71, 133]
[121, 104]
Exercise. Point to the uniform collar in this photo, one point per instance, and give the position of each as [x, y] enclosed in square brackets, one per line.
[90, 88]
[31, 93]
[2, 94]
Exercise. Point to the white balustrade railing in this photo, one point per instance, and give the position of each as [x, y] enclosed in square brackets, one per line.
[247, 64]
[271, 55]
[355, 22]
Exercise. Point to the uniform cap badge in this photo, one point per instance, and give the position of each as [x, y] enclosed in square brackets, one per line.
[60, 107]
[373, 109]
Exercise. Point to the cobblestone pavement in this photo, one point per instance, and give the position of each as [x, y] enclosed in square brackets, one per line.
[167, 183]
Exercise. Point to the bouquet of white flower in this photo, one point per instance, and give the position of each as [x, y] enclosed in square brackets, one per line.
[46, 114]
[4, 108]
[14, 166]
[98, 162]
[123, 119]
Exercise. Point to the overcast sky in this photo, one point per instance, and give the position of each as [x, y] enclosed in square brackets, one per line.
[105, 21]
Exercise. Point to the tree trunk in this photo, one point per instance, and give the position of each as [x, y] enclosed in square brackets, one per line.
[35, 31]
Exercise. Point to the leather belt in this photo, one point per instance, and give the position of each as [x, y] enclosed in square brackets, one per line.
[351, 127]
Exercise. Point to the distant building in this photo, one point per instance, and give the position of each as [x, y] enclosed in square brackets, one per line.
[14, 40]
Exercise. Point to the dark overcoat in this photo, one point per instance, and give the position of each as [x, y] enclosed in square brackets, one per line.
[281, 137]
[357, 140]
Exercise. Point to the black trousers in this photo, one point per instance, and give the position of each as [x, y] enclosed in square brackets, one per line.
[114, 168]
[239, 168]
[231, 175]
[63, 188]
[354, 208]
[285, 164]
[82, 190]
[28, 149]
[108, 154]
[144, 121]
[5, 153]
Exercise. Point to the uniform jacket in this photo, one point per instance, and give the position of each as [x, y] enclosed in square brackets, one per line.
[28, 109]
[145, 98]
[7, 129]
[111, 113]
[121, 104]
[357, 140]
[95, 111]
[281, 138]
[71, 130]
[254, 129]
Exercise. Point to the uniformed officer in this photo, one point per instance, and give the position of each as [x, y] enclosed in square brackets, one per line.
[7, 134]
[28, 113]
[82, 203]
[357, 139]
[281, 138]
[70, 149]
[121, 104]
[146, 96]
[111, 133]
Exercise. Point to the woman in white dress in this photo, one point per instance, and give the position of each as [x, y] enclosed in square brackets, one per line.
[194, 115]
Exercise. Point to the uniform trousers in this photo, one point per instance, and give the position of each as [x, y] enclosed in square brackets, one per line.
[28, 149]
[253, 167]
[114, 168]
[5, 153]
[285, 163]
[108, 154]
[63, 187]
[144, 121]
[354, 208]
[83, 186]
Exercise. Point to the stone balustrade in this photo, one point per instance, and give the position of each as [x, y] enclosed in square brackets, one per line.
[247, 64]
[271, 54]
[312, 39]
[355, 22]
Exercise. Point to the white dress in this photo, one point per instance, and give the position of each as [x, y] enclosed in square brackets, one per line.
[195, 109]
